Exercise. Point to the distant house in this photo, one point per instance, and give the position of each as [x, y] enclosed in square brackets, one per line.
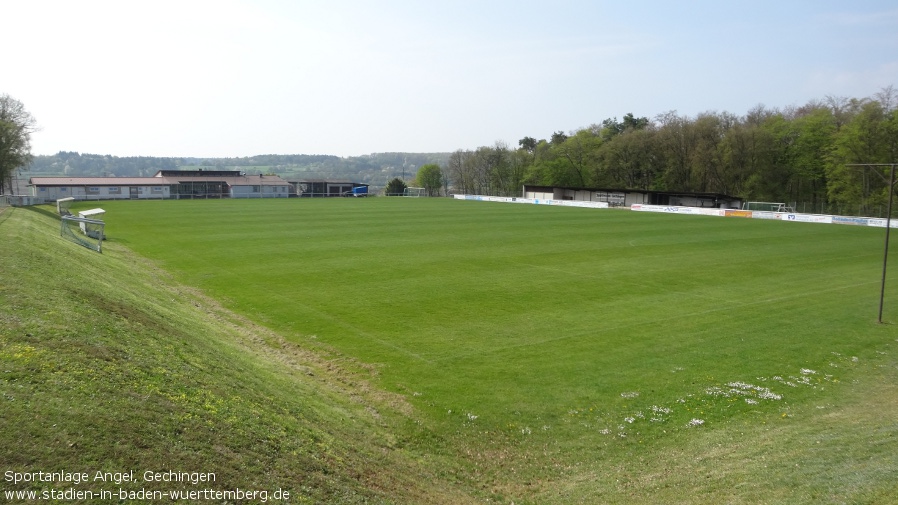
[176, 184]
[628, 197]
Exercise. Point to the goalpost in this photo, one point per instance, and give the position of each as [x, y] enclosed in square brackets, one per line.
[768, 206]
[83, 231]
[413, 192]
[63, 205]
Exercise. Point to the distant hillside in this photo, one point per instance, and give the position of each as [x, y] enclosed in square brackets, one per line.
[374, 169]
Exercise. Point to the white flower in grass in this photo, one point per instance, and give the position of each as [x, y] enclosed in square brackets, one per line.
[715, 391]
[629, 419]
[471, 416]
[804, 379]
[769, 395]
[629, 394]
[751, 401]
[695, 422]
[807, 371]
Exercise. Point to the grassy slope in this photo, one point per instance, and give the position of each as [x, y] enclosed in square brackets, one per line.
[837, 446]
[106, 364]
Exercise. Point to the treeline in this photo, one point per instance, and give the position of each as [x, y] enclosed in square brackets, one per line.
[96, 165]
[795, 155]
[798, 155]
[375, 169]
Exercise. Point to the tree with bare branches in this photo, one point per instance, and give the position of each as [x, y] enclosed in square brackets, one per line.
[16, 127]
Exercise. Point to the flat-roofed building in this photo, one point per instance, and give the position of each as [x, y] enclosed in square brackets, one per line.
[628, 197]
[164, 185]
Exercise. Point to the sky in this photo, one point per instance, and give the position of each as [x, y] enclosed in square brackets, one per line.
[236, 78]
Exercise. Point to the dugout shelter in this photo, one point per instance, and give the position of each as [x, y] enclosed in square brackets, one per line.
[627, 197]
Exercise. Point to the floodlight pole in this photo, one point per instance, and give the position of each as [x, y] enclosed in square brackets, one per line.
[885, 255]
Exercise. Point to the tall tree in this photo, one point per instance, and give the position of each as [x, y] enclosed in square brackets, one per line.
[395, 187]
[430, 178]
[478, 166]
[706, 162]
[558, 138]
[869, 137]
[743, 152]
[16, 127]
[611, 127]
[528, 144]
[503, 175]
[629, 160]
[580, 150]
[460, 171]
[815, 127]
[676, 141]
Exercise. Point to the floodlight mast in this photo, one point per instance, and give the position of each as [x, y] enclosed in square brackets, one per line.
[885, 255]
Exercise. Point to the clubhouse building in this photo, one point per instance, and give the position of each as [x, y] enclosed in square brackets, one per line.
[166, 184]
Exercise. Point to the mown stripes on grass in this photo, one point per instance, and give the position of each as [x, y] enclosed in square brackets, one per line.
[501, 308]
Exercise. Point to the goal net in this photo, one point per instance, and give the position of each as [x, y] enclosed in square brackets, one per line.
[413, 192]
[768, 206]
[63, 205]
[83, 231]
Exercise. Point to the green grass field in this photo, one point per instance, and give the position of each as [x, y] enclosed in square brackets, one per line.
[563, 355]
[522, 314]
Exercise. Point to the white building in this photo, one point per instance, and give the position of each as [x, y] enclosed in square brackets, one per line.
[164, 185]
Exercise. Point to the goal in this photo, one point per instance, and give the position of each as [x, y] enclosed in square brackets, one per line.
[63, 205]
[768, 206]
[413, 192]
[83, 231]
